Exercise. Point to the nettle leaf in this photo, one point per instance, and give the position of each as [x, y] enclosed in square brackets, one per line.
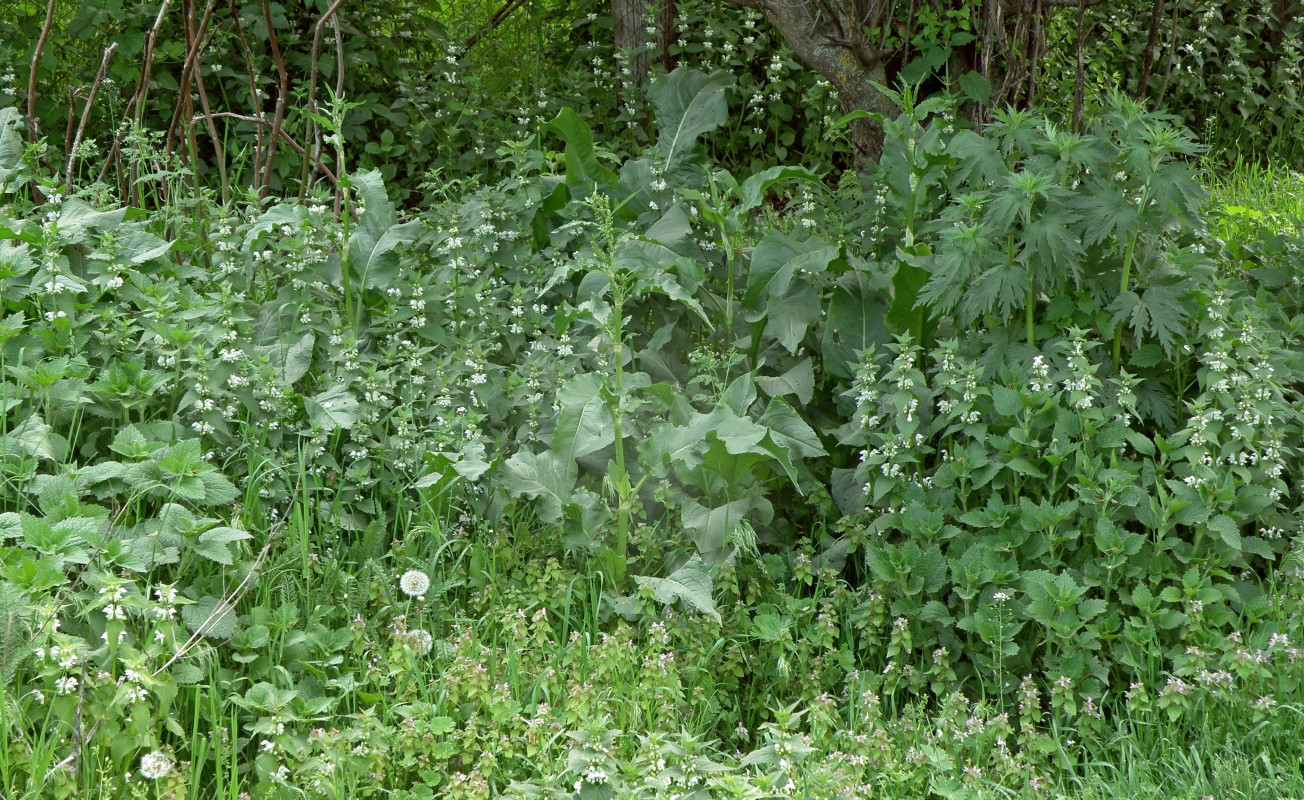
[212, 544]
[686, 104]
[334, 408]
[211, 616]
[690, 584]
[131, 443]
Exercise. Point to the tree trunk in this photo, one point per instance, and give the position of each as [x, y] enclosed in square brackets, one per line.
[835, 47]
[627, 17]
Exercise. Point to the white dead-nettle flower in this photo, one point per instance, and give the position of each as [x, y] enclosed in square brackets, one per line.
[414, 583]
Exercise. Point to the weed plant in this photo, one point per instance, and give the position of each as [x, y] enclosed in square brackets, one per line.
[651, 480]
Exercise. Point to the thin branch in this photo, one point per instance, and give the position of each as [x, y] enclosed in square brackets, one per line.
[32, 132]
[500, 16]
[283, 134]
[254, 94]
[311, 137]
[86, 113]
[284, 84]
[1148, 61]
[189, 69]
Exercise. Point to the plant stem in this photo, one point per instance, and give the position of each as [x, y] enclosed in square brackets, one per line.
[1122, 287]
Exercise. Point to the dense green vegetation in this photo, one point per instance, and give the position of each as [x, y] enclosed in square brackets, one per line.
[624, 441]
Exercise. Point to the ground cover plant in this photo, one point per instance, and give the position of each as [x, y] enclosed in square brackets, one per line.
[636, 466]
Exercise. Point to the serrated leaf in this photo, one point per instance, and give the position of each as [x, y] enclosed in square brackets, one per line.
[1007, 401]
[334, 408]
[1227, 530]
[212, 544]
[976, 87]
[211, 616]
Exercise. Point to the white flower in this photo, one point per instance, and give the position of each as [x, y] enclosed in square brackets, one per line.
[66, 685]
[155, 765]
[414, 583]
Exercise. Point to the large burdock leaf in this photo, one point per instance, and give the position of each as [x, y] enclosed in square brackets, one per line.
[584, 424]
[687, 103]
[546, 478]
[711, 527]
[372, 256]
[690, 584]
[777, 258]
[582, 165]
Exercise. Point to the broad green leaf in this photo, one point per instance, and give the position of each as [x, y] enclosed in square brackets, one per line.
[140, 247]
[334, 408]
[752, 192]
[790, 431]
[582, 165]
[777, 258]
[291, 357]
[1227, 530]
[711, 527]
[1007, 401]
[690, 584]
[976, 87]
[371, 245]
[798, 381]
[211, 616]
[789, 317]
[584, 424]
[686, 104]
[545, 477]
[739, 395]
[854, 322]
[11, 144]
[37, 439]
[212, 544]
[77, 219]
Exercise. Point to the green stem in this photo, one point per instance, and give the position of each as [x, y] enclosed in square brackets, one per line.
[621, 476]
[1122, 287]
